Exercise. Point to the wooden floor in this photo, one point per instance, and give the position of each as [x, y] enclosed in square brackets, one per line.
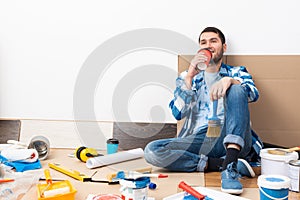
[10, 129]
[213, 179]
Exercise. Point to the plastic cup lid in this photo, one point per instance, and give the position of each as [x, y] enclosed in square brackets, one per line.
[112, 141]
[273, 181]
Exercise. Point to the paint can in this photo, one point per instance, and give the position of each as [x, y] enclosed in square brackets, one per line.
[134, 189]
[276, 164]
[41, 144]
[294, 175]
[273, 187]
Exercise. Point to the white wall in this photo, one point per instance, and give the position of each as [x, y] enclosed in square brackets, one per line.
[47, 46]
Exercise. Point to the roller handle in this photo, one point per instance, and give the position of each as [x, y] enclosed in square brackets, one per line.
[48, 176]
[191, 190]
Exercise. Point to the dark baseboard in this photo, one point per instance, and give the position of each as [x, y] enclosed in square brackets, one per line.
[137, 135]
[9, 130]
[268, 145]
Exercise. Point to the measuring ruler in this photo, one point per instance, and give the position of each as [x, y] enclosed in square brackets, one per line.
[72, 173]
[77, 175]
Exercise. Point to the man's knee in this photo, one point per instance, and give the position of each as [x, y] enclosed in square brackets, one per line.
[236, 93]
[236, 90]
[149, 150]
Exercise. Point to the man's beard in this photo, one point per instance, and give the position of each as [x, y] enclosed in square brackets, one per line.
[218, 57]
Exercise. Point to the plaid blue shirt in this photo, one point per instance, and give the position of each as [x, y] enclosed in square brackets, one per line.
[194, 104]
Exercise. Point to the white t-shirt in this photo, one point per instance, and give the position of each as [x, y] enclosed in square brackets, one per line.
[211, 78]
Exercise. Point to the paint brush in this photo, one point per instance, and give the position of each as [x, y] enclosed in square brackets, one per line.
[214, 123]
[135, 175]
[279, 151]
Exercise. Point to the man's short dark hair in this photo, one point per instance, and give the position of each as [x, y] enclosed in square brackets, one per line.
[214, 30]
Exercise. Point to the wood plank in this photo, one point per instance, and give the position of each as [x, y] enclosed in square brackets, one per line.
[213, 179]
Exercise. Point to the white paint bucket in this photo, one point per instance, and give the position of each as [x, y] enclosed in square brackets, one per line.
[276, 164]
[294, 175]
[273, 187]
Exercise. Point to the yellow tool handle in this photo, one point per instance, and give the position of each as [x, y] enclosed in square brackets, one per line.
[74, 174]
[48, 176]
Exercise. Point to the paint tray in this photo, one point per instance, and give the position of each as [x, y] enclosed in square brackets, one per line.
[62, 190]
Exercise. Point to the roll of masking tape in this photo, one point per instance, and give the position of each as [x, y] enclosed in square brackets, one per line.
[41, 144]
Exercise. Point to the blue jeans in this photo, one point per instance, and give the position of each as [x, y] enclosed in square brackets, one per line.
[190, 153]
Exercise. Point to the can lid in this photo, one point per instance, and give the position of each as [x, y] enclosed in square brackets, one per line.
[286, 158]
[112, 141]
[107, 197]
[273, 181]
[138, 183]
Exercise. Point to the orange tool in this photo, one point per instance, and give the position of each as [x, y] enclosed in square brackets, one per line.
[191, 190]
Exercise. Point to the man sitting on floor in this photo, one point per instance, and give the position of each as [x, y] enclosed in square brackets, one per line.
[193, 149]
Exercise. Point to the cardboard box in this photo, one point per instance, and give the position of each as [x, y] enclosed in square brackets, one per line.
[276, 115]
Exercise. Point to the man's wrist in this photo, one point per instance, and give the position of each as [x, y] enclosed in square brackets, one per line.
[234, 81]
[188, 82]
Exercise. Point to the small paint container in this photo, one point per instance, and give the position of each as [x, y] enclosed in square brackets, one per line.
[273, 187]
[112, 145]
[294, 175]
[41, 144]
[134, 189]
[276, 164]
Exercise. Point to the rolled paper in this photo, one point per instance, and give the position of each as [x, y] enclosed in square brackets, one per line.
[122, 156]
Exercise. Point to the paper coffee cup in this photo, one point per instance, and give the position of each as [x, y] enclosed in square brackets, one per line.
[203, 65]
[112, 145]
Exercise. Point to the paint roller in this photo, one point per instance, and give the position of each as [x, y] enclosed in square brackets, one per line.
[50, 190]
[22, 155]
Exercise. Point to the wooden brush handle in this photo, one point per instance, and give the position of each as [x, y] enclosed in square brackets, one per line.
[293, 149]
[283, 151]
